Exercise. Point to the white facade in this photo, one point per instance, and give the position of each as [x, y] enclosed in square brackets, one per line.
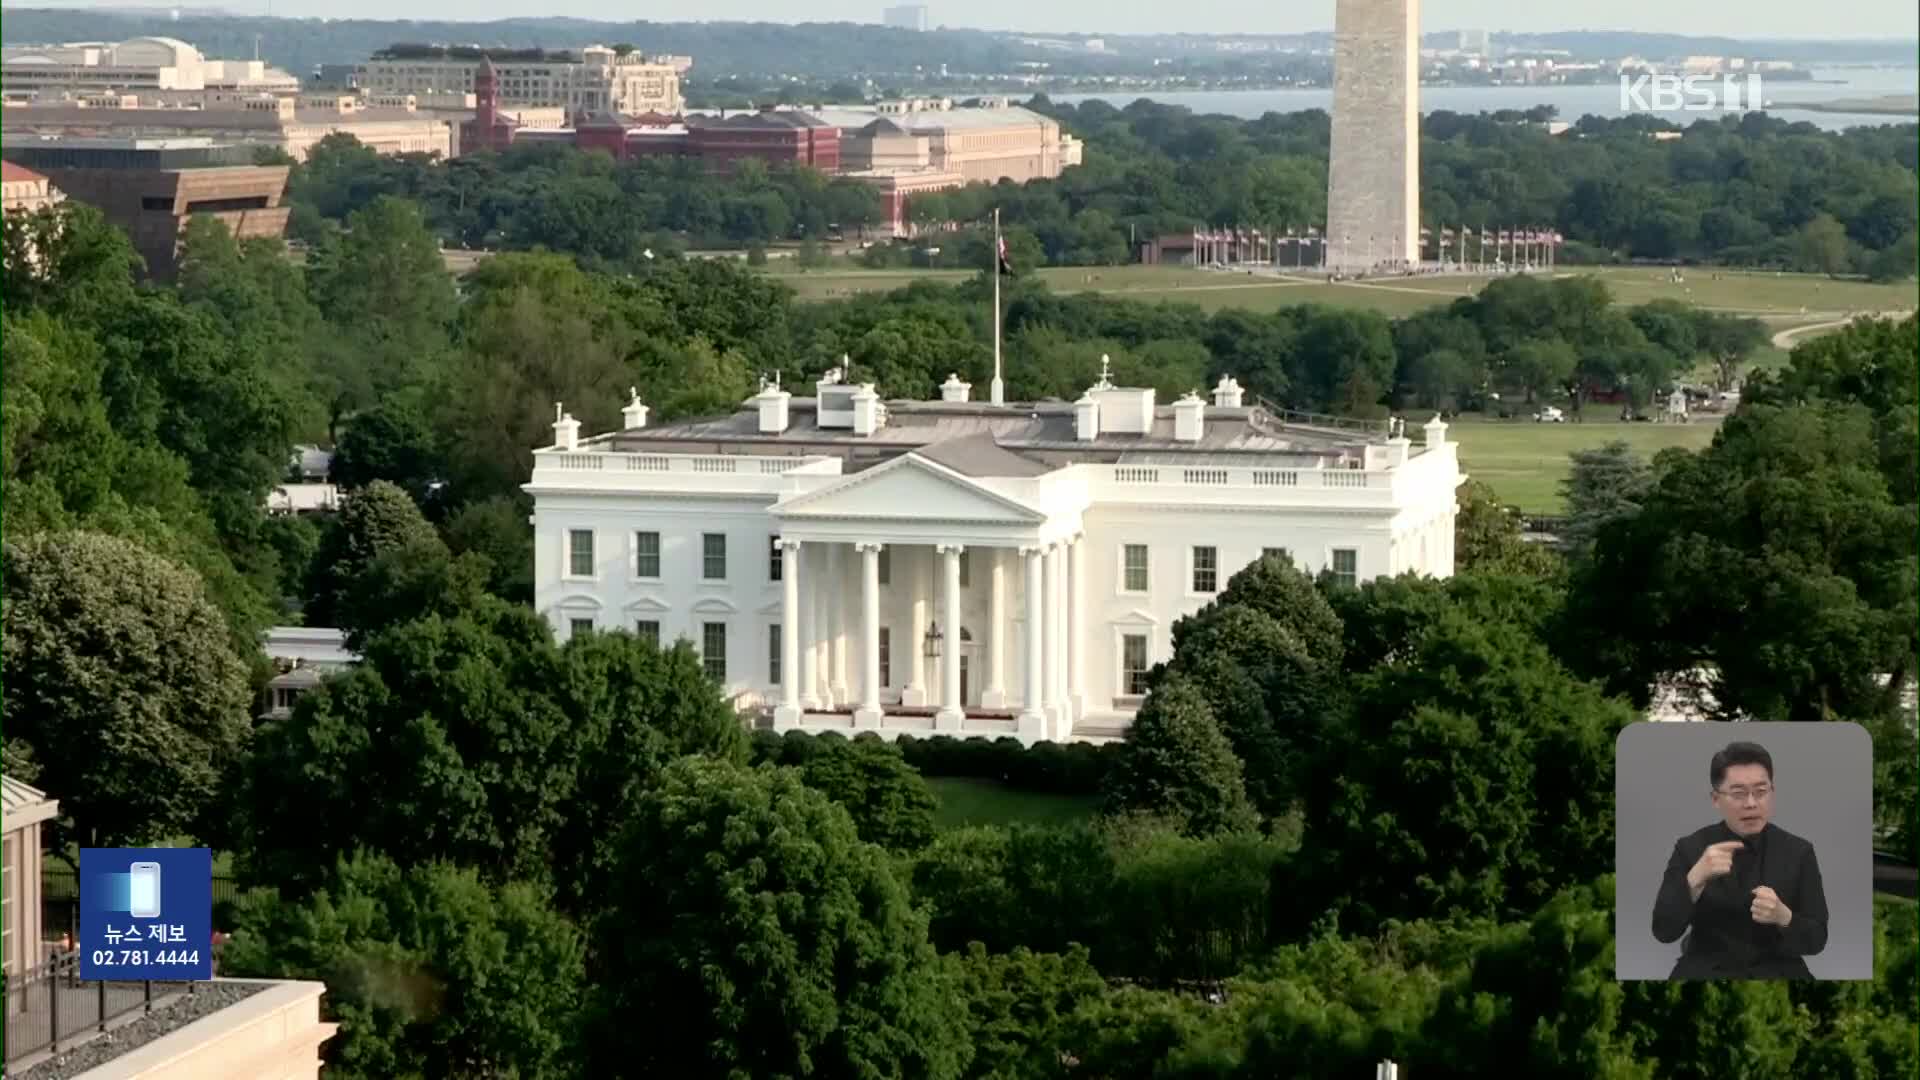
[811, 552]
[600, 80]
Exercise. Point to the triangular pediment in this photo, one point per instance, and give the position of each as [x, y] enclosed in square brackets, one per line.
[909, 488]
[1137, 617]
[649, 605]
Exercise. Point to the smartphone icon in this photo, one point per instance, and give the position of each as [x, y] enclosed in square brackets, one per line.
[144, 901]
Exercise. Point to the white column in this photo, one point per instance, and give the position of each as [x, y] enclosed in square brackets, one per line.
[952, 710]
[906, 562]
[1077, 629]
[837, 628]
[809, 631]
[787, 715]
[995, 694]
[869, 714]
[1033, 720]
[1050, 634]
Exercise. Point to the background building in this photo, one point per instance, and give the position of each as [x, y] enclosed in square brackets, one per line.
[956, 566]
[1373, 173]
[289, 124]
[597, 79]
[905, 148]
[25, 190]
[152, 187]
[776, 137]
[149, 63]
[905, 17]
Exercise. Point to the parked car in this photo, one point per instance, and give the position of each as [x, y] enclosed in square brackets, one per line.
[1549, 415]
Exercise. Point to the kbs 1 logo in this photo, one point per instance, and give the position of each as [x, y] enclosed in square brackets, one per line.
[1691, 93]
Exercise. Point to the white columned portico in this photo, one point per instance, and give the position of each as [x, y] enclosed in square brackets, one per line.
[869, 713]
[906, 563]
[952, 710]
[1076, 632]
[836, 583]
[818, 600]
[995, 694]
[1033, 719]
[808, 631]
[787, 715]
[1050, 633]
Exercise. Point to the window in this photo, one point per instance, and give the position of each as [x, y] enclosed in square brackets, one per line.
[1206, 569]
[774, 674]
[648, 630]
[579, 627]
[886, 567]
[1282, 554]
[773, 561]
[1134, 564]
[646, 554]
[1133, 665]
[713, 553]
[966, 569]
[1346, 566]
[580, 552]
[713, 650]
[886, 656]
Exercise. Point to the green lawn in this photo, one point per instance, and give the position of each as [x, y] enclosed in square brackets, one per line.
[965, 801]
[1524, 462]
[1782, 299]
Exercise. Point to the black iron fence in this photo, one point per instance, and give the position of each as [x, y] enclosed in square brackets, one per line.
[60, 902]
[49, 1007]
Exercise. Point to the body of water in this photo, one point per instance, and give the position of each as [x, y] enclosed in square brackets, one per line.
[1572, 101]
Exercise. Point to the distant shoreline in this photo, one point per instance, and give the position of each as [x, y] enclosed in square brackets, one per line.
[1886, 105]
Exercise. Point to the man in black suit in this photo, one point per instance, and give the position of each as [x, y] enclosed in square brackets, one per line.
[1746, 892]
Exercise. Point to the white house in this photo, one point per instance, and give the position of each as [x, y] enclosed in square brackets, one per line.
[954, 566]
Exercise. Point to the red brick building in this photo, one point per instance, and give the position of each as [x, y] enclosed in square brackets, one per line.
[488, 130]
[777, 137]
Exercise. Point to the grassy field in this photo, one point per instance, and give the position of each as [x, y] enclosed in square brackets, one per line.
[966, 801]
[1782, 299]
[1525, 462]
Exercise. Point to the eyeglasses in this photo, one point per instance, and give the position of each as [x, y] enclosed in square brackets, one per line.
[1740, 795]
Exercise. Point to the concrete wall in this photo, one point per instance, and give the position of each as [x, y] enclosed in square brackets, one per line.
[275, 1034]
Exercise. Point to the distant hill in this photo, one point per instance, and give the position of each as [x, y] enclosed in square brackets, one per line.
[814, 50]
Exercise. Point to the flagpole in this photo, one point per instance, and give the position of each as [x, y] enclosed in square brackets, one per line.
[999, 389]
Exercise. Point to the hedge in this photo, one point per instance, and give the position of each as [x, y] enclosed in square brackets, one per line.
[1045, 768]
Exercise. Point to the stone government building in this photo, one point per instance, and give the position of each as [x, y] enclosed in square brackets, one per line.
[852, 564]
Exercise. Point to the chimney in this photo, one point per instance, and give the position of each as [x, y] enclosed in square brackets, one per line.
[1086, 418]
[1436, 432]
[772, 402]
[867, 413]
[635, 414]
[1189, 418]
[1226, 395]
[566, 430]
[955, 390]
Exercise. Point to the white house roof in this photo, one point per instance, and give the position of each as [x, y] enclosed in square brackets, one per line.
[972, 436]
[22, 805]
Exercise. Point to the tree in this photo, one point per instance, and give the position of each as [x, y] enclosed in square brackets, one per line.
[121, 680]
[473, 738]
[1729, 341]
[1177, 763]
[379, 519]
[430, 971]
[1487, 537]
[1823, 245]
[761, 936]
[1019, 1006]
[889, 803]
[1473, 775]
[1604, 485]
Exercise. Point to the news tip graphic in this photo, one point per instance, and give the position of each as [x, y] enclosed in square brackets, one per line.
[146, 913]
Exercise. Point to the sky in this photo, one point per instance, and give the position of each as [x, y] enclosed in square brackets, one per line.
[1742, 18]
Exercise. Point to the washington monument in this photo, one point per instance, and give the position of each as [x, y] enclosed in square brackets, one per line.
[1373, 175]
